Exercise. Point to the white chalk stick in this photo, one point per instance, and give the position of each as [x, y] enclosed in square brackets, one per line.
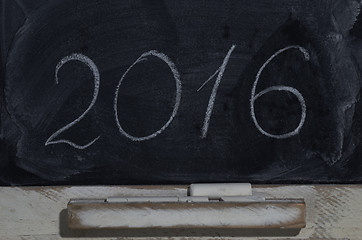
[220, 190]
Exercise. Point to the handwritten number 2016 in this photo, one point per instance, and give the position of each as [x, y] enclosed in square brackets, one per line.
[220, 71]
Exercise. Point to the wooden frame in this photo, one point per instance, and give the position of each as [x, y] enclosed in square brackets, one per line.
[332, 212]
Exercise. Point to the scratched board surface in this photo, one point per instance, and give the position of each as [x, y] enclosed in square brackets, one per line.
[165, 92]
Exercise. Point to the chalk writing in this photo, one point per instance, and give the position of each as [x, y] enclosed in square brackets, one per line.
[87, 61]
[254, 96]
[210, 106]
[176, 76]
[219, 73]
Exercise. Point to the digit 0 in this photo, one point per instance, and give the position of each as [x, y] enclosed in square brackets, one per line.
[176, 76]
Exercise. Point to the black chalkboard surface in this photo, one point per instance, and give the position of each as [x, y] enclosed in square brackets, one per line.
[168, 92]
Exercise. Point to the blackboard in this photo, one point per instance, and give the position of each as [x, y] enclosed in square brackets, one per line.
[175, 92]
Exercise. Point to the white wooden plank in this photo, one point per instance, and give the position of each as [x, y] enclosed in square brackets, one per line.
[333, 211]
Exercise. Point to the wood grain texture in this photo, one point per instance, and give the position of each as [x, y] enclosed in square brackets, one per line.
[179, 215]
[332, 212]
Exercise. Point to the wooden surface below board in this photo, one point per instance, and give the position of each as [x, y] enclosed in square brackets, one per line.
[332, 212]
[278, 214]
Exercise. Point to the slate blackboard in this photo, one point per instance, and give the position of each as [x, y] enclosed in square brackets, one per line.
[165, 92]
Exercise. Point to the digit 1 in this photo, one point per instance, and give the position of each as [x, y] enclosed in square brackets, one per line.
[210, 106]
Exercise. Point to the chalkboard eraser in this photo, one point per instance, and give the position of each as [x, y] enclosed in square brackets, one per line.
[233, 208]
